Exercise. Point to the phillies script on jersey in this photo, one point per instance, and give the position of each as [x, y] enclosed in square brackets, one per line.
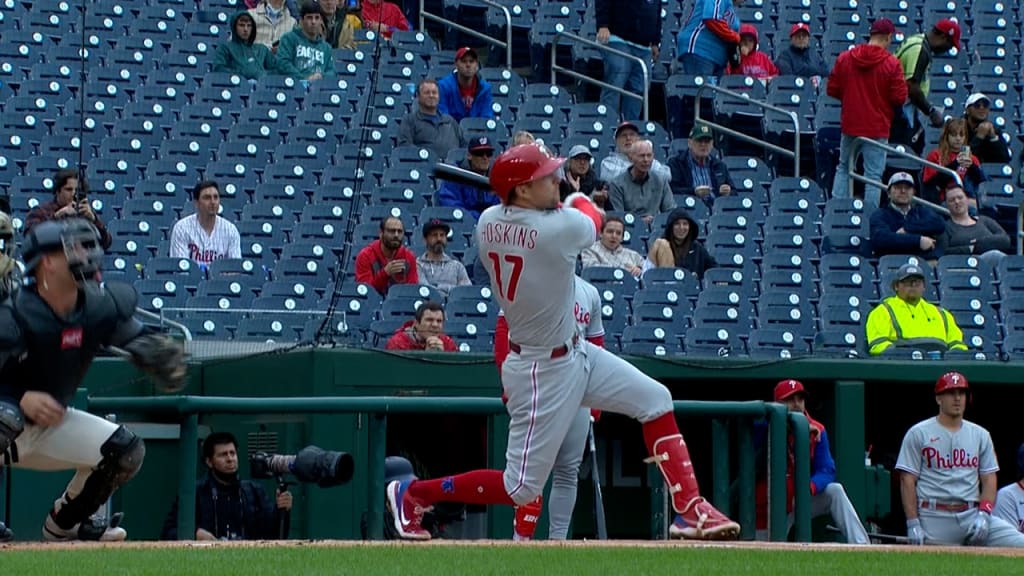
[510, 235]
[960, 458]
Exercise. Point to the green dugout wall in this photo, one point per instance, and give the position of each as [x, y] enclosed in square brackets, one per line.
[863, 403]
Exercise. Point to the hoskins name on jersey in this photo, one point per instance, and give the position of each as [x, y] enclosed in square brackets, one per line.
[960, 458]
[510, 235]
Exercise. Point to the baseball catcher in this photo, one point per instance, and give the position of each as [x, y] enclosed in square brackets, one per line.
[10, 274]
[50, 331]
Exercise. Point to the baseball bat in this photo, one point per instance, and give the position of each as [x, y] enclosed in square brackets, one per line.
[602, 528]
[876, 535]
[461, 176]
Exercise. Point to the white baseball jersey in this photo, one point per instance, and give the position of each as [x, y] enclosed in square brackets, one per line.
[530, 256]
[1010, 505]
[190, 240]
[587, 310]
[947, 464]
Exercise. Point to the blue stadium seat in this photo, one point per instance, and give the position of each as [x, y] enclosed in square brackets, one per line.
[777, 343]
[603, 275]
[311, 271]
[798, 319]
[280, 327]
[228, 268]
[155, 295]
[180, 270]
[383, 330]
[843, 317]
[713, 342]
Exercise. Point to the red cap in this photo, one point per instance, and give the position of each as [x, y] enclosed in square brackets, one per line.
[883, 26]
[798, 27]
[951, 29]
[787, 388]
[463, 51]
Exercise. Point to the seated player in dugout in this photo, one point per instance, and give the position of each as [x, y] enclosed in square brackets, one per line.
[50, 332]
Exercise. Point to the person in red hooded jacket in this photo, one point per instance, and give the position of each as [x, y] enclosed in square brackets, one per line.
[868, 81]
[753, 62]
[426, 332]
[827, 495]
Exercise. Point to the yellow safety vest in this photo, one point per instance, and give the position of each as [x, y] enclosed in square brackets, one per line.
[925, 326]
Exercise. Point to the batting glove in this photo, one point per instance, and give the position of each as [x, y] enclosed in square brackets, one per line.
[915, 534]
[977, 534]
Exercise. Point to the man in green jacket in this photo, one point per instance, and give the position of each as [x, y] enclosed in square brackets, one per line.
[303, 53]
[241, 55]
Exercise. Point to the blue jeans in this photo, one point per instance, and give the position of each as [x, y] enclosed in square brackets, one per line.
[694, 65]
[625, 73]
[874, 165]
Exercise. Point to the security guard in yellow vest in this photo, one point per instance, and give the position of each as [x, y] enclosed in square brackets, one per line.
[907, 320]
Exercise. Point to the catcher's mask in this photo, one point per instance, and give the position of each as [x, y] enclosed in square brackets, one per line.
[77, 238]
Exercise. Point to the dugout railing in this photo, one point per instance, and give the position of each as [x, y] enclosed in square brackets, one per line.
[377, 408]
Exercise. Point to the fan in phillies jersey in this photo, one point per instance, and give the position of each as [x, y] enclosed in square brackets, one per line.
[566, 471]
[948, 480]
[529, 247]
[1010, 498]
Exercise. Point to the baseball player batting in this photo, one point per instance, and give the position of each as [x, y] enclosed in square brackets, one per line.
[50, 331]
[948, 480]
[566, 470]
[529, 246]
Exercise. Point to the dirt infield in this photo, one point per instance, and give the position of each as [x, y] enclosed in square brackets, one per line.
[755, 545]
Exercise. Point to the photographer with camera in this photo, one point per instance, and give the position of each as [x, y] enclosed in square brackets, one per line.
[229, 508]
[69, 201]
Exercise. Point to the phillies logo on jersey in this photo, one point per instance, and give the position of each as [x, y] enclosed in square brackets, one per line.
[581, 314]
[960, 458]
[71, 338]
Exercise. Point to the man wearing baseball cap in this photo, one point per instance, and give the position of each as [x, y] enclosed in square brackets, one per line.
[580, 177]
[799, 59]
[698, 172]
[471, 199]
[915, 56]
[436, 268]
[868, 81]
[626, 133]
[464, 93]
[985, 138]
[903, 227]
[827, 495]
[906, 321]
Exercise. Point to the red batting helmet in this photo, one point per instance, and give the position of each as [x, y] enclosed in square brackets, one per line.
[519, 165]
[950, 381]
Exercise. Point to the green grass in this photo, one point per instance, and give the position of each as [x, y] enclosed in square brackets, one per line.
[484, 560]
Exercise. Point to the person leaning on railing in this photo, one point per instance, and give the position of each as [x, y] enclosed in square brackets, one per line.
[907, 321]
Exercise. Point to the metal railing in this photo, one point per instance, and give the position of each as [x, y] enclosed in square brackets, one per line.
[163, 320]
[794, 154]
[188, 408]
[555, 69]
[856, 152]
[506, 45]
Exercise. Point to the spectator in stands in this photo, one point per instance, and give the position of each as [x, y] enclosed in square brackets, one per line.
[471, 199]
[205, 236]
[426, 332]
[633, 28]
[351, 22]
[383, 17]
[678, 246]
[303, 53]
[977, 235]
[915, 56]
[69, 200]
[753, 62]
[428, 127]
[609, 251]
[436, 268]
[697, 171]
[386, 261]
[902, 227]
[522, 137]
[906, 320]
[952, 154]
[464, 93]
[579, 176]
[868, 82]
[639, 189]
[228, 507]
[710, 36]
[798, 59]
[334, 20]
[273, 21]
[986, 139]
[242, 55]
[617, 162]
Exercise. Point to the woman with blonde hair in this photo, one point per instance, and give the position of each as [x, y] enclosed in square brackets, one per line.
[955, 155]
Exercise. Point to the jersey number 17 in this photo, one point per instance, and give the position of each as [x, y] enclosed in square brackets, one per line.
[507, 292]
